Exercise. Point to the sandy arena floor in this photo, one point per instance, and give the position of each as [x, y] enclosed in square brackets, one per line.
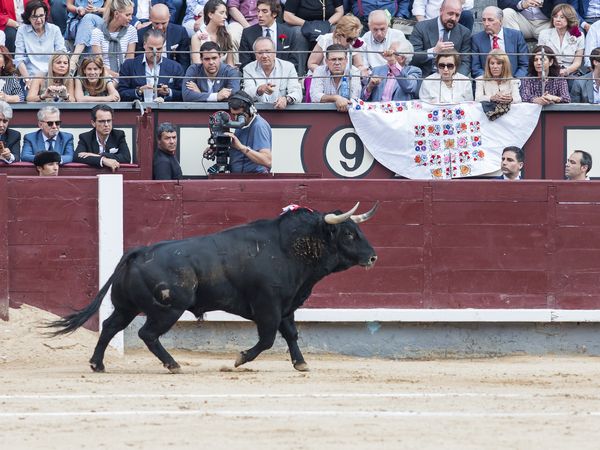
[50, 399]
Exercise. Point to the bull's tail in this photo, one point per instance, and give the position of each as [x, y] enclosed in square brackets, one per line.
[73, 321]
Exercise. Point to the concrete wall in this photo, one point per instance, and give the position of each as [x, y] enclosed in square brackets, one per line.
[390, 340]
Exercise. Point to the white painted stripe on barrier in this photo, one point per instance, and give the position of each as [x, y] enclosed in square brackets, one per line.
[349, 395]
[309, 413]
[110, 240]
[423, 315]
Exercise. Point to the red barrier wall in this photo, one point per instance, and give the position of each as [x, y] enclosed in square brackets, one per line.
[470, 244]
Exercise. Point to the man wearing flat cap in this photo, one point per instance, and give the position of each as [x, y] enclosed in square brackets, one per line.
[47, 163]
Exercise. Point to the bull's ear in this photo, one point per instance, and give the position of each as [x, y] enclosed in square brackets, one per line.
[366, 216]
[334, 219]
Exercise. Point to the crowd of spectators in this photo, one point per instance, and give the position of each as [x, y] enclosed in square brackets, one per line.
[156, 50]
[320, 51]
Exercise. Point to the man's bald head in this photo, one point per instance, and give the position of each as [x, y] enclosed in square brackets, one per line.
[159, 16]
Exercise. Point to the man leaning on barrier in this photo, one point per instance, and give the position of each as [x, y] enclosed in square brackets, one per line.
[332, 83]
[212, 80]
[270, 79]
[48, 137]
[102, 146]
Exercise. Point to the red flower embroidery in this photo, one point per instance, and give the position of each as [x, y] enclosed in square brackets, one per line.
[357, 43]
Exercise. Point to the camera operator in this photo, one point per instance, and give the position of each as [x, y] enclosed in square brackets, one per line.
[250, 147]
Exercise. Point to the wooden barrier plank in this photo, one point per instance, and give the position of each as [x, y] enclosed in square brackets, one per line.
[4, 259]
[490, 235]
[508, 212]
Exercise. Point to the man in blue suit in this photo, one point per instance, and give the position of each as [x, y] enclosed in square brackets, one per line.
[136, 74]
[177, 46]
[585, 88]
[495, 36]
[533, 16]
[211, 81]
[48, 137]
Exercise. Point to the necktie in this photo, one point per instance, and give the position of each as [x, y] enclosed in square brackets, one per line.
[446, 36]
[268, 33]
[495, 42]
[50, 145]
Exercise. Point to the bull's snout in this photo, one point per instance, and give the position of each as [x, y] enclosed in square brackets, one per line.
[370, 262]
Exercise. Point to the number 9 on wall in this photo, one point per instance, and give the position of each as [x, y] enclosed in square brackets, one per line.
[346, 156]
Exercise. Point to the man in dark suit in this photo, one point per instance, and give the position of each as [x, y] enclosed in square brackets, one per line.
[429, 37]
[280, 33]
[134, 74]
[10, 140]
[48, 137]
[164, 164]
[495, 36]
[585, 89]
[177, 46]
[211, 81]
[102, 146]
[533, 16]
[513, 159]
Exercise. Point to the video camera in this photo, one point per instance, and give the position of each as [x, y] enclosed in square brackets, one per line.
[220, 123]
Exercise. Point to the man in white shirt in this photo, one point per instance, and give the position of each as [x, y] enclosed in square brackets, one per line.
[270, 79]
[379, 38]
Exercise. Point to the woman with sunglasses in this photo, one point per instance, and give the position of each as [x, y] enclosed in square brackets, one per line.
[93, 84]
[446, 85]
[546, 86]
[36, 41]
[346, 33]
[53, 85]
[11, 90]
[497, 83]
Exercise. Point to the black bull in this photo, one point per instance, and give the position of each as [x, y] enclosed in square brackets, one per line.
[262, 271]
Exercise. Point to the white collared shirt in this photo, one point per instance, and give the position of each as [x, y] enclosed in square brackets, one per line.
[500, 40]
[371, 45]
[153, 73]
[273, 31]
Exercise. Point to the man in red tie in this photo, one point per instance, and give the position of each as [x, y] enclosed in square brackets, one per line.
[495, 36]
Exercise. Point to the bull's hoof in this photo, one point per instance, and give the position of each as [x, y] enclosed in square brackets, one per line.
[173, 368]
[97, 367]
[241, 359]
[301, 367]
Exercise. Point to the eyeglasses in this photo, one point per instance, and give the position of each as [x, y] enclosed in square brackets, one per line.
[38, 17]
[51, 123]
[446, 66]
[104, 122]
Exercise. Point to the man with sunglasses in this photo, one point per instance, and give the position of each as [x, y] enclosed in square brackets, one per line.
[102, 146]
[48, 137]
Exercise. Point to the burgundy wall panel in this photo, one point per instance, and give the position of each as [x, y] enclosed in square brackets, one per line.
[440, 245]
[4, 261]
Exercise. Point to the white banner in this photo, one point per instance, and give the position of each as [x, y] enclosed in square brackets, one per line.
[422, 141]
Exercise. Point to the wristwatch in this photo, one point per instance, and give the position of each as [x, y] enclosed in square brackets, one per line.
[289, 99]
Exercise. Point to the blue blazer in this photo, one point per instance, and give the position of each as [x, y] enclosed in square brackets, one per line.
[227, 77]
[514, 42]
[177, 41]
[405, 89]
[170, 74]
[583, 89]
[34, 143]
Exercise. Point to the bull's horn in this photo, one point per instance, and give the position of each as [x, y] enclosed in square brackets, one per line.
[366, 216]
[334, 219]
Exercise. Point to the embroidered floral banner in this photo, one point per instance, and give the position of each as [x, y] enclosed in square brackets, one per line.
[423, 141]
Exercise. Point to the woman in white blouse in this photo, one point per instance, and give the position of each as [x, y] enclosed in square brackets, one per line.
[565, 38]
[447, 85]
[497, 84]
